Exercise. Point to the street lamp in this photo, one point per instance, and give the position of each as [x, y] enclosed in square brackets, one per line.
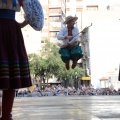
[43, 71]
[76, 80]
[37, 75]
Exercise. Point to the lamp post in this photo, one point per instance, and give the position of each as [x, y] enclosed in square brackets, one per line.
[65, 83]
[76, 80]
[37, 75]
[43, 74]
[45, 78]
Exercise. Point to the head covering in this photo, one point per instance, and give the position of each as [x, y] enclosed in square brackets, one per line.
[68, 18]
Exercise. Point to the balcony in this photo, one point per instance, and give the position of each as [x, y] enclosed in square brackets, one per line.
[54, 29]
[55, 21]
[56, 5]
[55, 12]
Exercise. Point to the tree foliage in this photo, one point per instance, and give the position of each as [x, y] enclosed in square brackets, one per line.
[48, 61]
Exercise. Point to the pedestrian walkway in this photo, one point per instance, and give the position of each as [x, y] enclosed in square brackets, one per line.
[67, 108]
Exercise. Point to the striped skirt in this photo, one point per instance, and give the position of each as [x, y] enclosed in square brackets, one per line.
[14, 65]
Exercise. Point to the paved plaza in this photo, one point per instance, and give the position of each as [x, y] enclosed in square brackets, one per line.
[67, 108]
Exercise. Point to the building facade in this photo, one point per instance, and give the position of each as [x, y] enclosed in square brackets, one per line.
[103, 14]
[54, 14]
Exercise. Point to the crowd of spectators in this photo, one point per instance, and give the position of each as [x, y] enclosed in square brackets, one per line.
[60, 90]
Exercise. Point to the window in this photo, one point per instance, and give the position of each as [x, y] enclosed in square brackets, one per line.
[95, 8]
[78, 0]
[42, 41]
[55, 24]
[56, 2]
[55, 10]
[67, 9]
[78, 9]
[55, 19]
[53, 34]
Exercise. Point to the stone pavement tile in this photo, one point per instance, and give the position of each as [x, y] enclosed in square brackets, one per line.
[105, 108]
[111, 119]
[55, 108]
[52, 113]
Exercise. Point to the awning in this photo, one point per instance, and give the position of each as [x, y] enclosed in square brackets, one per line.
[85, 78]
[104, 78]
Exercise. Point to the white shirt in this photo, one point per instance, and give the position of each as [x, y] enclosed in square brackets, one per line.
[64, 33]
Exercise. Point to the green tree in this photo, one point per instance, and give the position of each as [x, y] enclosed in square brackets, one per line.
[48, 63]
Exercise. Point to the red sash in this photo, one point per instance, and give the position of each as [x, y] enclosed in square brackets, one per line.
[20, 2]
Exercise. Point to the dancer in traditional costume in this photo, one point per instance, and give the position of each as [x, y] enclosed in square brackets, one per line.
[69, 48]
[14, 65]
